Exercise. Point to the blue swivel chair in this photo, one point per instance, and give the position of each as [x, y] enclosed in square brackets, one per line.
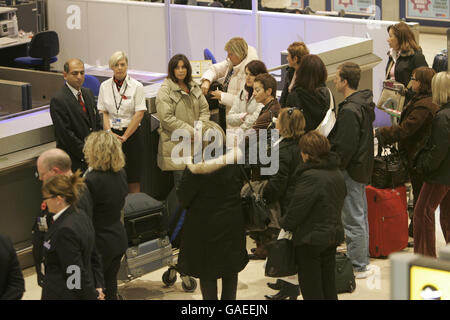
[92, 83]
[42, 51]
[209, 56]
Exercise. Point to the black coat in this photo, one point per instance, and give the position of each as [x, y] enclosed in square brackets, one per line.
[40, 228]
[284, 94]
[70, 241]
[213, 243]
[281, 185]
[108, 190]
[314, 214]
[12, 284]
[434, 161]
[313, 105]
[72, 124]
[406, 63]
[352, 136]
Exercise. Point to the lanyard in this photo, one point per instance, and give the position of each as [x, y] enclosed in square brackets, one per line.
[121, 95]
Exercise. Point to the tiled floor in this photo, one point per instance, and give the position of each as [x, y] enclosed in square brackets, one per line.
[252, 283]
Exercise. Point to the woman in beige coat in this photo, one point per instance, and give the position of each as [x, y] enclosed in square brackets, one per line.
[179, 104]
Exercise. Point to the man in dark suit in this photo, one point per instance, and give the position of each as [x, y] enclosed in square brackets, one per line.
[12, 285]
[74, 114]
[50, 163]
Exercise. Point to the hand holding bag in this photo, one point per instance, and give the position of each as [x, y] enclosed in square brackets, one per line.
[281, 257]
[389, 170]
[256, 211]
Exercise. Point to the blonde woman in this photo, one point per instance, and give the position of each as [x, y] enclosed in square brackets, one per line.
[434, 164]
[121, 100]
[230, 72]
[107, 183]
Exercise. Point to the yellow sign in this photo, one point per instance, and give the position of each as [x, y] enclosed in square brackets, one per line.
[429, 283]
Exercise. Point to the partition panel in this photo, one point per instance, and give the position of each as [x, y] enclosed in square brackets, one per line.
[147, 38]
[70, 20]
[108, 30]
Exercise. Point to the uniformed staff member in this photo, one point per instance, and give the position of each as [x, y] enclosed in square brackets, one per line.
[121, 100]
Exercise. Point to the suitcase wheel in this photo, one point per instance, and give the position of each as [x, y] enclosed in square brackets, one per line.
[189, 284]
[169, 278]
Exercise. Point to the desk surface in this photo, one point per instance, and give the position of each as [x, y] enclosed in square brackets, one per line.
[6, 42]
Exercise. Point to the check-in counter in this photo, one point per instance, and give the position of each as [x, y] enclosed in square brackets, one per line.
[23, 137]
[336, 51]
[16, 97]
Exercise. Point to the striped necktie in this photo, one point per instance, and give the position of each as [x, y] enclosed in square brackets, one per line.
[227, 80]
[80, 101]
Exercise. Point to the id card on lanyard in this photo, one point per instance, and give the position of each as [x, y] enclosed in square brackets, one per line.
[116, 121]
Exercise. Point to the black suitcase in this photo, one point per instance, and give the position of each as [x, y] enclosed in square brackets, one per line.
[345, 278]
[144, 218]
[440, 62]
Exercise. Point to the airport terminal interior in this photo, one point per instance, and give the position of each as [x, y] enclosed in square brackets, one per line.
[252, 283]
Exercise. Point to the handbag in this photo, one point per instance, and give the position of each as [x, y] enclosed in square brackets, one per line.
[389, 171]
[256, 211]
[280, 259]
[345, 278]
[329, 120]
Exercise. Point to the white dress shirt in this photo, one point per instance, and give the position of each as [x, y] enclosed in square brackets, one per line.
[121, 105]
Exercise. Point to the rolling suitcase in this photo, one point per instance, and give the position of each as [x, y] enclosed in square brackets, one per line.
[388, 220]
[146, 257]
[144, 218]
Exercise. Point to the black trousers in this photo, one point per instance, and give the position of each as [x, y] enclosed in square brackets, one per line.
[316, 272]
[229, 288]
[111, 267]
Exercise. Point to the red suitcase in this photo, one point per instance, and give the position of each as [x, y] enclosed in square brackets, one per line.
[388, 220]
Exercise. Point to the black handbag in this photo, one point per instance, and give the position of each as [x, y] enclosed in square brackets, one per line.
[256, 211]
[280, 259]
[345, 278]
[389, 171]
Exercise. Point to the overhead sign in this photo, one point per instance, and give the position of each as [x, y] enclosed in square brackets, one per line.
[437, 10]
[358, 7]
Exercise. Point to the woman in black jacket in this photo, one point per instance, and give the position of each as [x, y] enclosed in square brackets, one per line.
[69, 243]
[107, 183]
[405, 55]
[310, 94]
[314, 217]
[296, 51]
[213, 243]
[434, 164]
[280, 186]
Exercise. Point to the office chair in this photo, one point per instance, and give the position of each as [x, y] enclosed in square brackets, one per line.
[209, 56]
[42, 50]
[92, 83]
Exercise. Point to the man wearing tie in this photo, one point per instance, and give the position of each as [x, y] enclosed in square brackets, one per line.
[74, 114]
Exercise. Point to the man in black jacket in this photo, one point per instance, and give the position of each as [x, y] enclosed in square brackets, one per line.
[50, 163]
[352, 139]
[74, 114]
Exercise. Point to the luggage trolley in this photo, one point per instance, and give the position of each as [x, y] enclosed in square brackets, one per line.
[150, 249]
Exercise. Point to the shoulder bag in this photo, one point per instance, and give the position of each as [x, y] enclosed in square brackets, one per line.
[329, 120]
[389, 171]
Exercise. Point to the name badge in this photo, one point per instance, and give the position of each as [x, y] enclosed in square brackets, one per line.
[117, 123]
